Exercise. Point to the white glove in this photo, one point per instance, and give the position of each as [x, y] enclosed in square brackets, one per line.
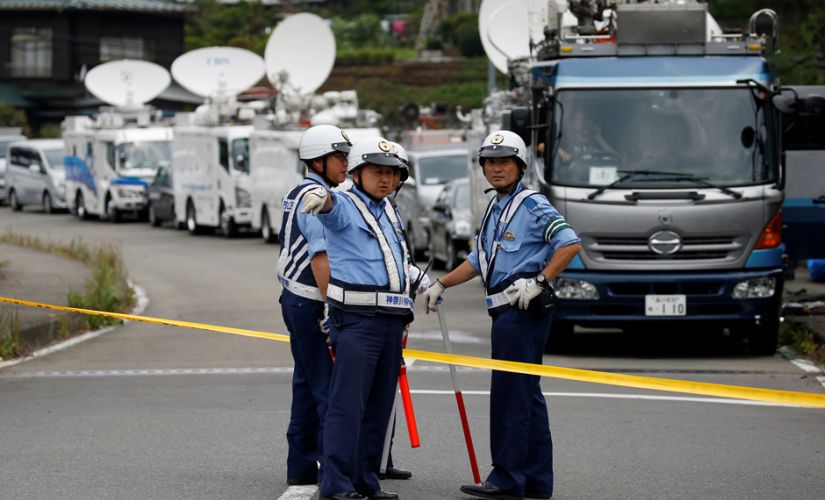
[522, 291]
[314, 200]
[414, 273]
[432, 294]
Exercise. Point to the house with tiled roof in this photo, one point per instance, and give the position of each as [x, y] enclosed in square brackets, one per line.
[47, 46]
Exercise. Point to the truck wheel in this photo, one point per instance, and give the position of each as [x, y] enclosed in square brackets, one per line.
[764, 338]
[266, 228]
[80, 206]
[112, 213]
[14, 203]
[153, 218]
[228, 227]
[560, 338]
[47, 203]
[191, 223]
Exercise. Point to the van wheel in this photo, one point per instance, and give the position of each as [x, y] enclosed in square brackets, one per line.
[266, 228]
[80, 207]
[191, 223]
[112, 213]
[228, 227]
[14, 203]
[47, 203]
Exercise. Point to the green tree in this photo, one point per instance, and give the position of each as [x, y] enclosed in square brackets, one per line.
[12, 117]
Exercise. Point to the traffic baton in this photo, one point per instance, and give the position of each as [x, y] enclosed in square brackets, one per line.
[459, 399]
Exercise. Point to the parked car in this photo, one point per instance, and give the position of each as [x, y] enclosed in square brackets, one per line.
[407, 203]
[7, 136]
[450, 224]
[35, 174]
[432, 167]
[161, 198]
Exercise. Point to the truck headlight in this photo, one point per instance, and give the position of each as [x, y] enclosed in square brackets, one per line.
[129, 193]
[758, 288]
[242, 198]
[576, 289]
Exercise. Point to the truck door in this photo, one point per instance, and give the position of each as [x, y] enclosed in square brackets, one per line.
[803, 211]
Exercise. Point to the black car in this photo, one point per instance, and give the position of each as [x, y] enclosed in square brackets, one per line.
[161, 198]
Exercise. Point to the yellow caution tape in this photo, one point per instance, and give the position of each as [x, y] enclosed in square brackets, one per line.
[653, 383]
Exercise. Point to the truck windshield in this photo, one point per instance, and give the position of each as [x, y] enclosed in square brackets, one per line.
[440, 169]
[714, 135]
[146, 154]
[55, 158]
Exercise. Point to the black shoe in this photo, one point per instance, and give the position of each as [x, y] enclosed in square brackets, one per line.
[344, 495]
[383, 495]
[536, 494]
[395, 473]
[487, 490]
[301, 481]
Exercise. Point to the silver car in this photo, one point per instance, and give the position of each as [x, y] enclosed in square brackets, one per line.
[451, 228]
[35, 174]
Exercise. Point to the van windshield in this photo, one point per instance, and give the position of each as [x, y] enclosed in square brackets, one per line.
[4, 145]
[146, 154]
[440, 169]
[717, 135]
[55, 158]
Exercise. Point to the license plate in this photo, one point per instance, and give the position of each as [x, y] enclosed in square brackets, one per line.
[665, 305]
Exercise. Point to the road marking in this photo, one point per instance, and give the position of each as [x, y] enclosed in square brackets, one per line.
[456, 336]
[298, 492]
[806, 366]
[153, 372]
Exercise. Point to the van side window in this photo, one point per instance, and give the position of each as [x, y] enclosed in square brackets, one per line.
[19, 157]
[223, 154]
[36, 159]
[111, 154]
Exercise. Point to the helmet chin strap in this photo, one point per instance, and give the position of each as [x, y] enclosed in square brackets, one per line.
[323, 172]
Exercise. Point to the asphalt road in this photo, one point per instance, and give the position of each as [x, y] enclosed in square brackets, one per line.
[155, 412]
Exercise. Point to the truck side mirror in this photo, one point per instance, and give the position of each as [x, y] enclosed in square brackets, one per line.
[803, 121]
[518, 120]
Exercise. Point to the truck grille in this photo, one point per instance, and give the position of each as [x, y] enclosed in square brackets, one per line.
[636, 248]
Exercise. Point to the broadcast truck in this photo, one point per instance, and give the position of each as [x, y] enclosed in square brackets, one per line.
[660, 139]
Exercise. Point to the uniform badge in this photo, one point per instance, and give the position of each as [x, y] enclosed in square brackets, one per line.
[384, 146]
[345, 136]
[497, 139]
[509, 236]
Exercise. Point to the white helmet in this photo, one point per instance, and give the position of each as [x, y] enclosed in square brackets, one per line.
[503, 144]
[322, 140]
[405, 160]
[374, 150]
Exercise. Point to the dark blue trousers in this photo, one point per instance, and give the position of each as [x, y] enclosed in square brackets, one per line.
[361, 393]
[310, 385]
[520, 441]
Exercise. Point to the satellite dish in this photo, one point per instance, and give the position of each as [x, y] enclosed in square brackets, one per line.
[218, 71]
[498, 58]
[300, 53]
[510, 27]
[127, 83]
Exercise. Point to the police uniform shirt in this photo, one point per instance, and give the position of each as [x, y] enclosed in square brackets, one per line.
[310, 227]
[355, 255]
[528, 242]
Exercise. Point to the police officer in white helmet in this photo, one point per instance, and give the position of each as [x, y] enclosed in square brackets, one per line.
[369, 299]
[303, 271]
[522, 245]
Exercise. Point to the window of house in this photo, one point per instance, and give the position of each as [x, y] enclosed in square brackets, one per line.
[124, 47]
[31, 52]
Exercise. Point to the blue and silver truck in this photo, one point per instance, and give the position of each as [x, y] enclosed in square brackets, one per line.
[660, 139]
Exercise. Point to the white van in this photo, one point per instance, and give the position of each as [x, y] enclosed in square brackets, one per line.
[35, 174]
[7, 136]
[210, 179]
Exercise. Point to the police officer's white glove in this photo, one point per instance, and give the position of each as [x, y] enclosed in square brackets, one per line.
[314, 200]
[324, 323]
[522, 291]
[415, 274]
[432, 294]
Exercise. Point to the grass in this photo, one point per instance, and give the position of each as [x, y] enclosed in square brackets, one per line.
[106, 290]
[3, 264]
[801, 339]
[10, 346]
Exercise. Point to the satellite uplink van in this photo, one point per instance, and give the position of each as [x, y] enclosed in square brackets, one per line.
[110, 160]
[210, 151]
[275, 167]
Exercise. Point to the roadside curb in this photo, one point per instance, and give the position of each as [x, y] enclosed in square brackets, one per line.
[142, 303]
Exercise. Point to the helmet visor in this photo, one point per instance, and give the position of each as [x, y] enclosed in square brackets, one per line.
[497, 151]
[384, 159]
[342, 147]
